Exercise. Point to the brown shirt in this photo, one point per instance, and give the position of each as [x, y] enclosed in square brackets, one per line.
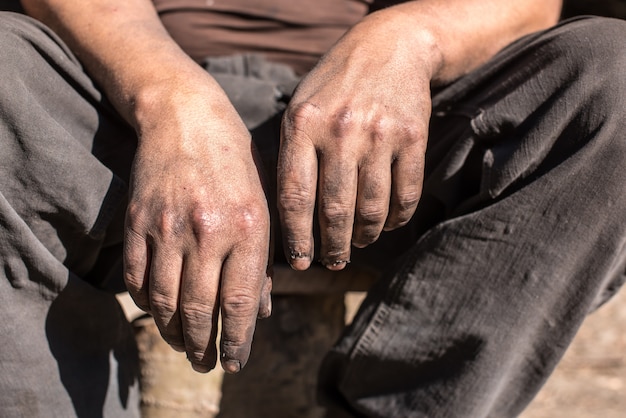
[295, 32]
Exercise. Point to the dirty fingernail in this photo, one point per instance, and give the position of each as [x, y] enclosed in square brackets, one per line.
[299, 259]
[336, 265]
[200, 368]
[232, 366]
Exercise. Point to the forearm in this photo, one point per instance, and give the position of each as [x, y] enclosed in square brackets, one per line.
[460, 35]
[124, 47]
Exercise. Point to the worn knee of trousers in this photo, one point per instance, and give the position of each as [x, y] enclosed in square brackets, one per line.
[20, 38]
[596, 51]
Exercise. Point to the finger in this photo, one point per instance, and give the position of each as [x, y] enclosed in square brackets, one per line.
[408, 175]
[136, 271]
[165, 277]
[265, 307]
[199, 308]
[372, 205]
[243, 277]
[297, 182]
[337, 201]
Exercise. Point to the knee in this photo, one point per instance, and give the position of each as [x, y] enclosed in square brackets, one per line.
[31, 54]
[590, 54]
[17, 34]
[595, 50]
[594, 37]
[14, 27]
[22, 38]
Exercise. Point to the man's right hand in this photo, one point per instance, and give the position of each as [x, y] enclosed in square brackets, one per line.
[197, 233]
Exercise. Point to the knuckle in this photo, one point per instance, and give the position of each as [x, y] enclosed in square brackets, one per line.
[251, 218]
[163, 305]
[240, 304]
[379, 130]
[406, 202]
[247, 219]
[342, 123]
[204, 223]
[372, 213]
[295, 200]
[196, 314]
[336, 213]
[134, 213]
[403, 208]
[300, 116]
[168, 223]
[134, 282]
[413, 131]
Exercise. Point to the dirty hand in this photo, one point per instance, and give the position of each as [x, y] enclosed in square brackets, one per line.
[354, 135]
[197, 227]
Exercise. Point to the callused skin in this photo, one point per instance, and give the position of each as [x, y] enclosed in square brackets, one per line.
[198, 226]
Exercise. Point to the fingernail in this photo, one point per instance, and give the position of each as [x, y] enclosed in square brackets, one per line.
[201, 368]
[232, 366]
[299, 261]
[336, 265]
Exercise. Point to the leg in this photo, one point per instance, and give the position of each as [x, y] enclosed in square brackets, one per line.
[66, 349]
[527, 202]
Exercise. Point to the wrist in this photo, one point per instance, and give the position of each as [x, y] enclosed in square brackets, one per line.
[401, 28]
[177, 102]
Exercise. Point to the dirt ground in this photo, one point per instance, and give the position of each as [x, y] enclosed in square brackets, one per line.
[590, 381]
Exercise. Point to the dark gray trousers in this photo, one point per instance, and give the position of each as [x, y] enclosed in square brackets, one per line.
[520, 232]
